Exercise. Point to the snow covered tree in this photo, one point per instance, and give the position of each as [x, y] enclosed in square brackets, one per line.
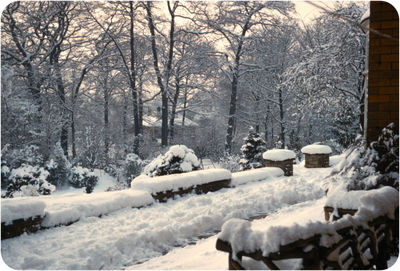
[132, 167]
[252, 151]
[326, 78]
[177, 159]
[83, 177]
[28, 181]
[369, 167]
[58, 167]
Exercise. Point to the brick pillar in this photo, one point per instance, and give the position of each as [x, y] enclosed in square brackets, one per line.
[383, 84]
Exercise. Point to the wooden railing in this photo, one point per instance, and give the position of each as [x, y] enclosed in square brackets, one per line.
[358, 242]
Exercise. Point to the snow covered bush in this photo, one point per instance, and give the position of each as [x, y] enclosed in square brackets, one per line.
[118, 186]
[83, 177]
[28, 155]
[230, 162]
[28, 181]
[368, 168]
[58, 167]
[177, 159]
[252, 151]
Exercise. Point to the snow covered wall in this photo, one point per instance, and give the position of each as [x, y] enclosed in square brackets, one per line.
[64, 210]
[255, 175]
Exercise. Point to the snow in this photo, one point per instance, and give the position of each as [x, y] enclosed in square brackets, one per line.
[131, 236]
[316, 149]
[21, 208]
[72, 207]
[279, 155]
[189, 160]
[365, 15]
[255, 175]
[270, 236]
[204, 256]
[175, 181]
[63, 210]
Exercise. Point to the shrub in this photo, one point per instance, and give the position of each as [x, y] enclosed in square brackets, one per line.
[28, 181]
[177, 159]
[118, 186]
[83, 177]
[230, 162]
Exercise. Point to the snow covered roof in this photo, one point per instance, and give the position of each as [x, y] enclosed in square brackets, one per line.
[316, 149]
[279, 155]
[152, 121]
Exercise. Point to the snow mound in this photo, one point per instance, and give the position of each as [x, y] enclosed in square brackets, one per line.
[175, 181]
[279, 155]
[21, 208]
[316, 149]
[63, 210]
[58, 210]
[378, 201]
[255, 175]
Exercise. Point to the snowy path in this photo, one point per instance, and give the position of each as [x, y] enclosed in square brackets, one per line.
[204, 256]
[131, 236]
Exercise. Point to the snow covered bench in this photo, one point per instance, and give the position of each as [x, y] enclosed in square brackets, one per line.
[280, 158]
[361, 241]
[200, 182]
[316, 155]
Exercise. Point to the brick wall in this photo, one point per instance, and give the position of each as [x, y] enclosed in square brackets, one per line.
[383, 84]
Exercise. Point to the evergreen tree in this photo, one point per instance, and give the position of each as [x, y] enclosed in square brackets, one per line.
[58, 167]
[252, 151]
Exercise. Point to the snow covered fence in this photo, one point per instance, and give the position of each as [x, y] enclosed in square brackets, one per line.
[362, 241]
[168, 186]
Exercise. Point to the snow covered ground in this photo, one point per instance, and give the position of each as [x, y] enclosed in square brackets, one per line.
[128, 237]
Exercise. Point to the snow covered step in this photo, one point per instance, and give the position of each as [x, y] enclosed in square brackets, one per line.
[168, 186]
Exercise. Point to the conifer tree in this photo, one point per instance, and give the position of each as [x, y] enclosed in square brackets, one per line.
[252, 151]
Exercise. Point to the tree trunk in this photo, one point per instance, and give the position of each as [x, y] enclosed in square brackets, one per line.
[234, 87]
[231, 117]
[73, 144]
[281, 115]
[140, 104]
[133, 80]
[106, 124]
[61, 94]
[173, 109]
[125, 124]
[162, 85]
